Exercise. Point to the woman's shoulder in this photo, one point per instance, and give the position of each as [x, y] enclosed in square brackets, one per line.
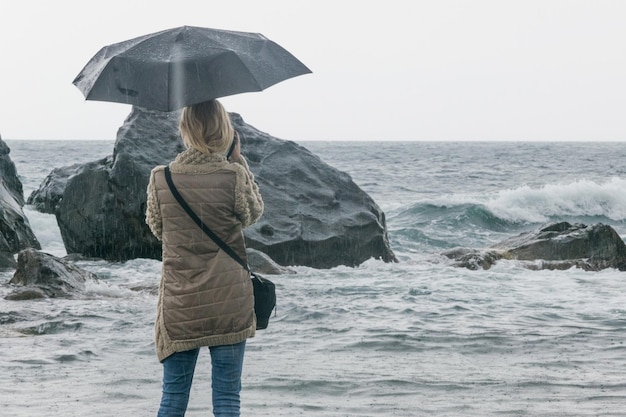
[157, 169]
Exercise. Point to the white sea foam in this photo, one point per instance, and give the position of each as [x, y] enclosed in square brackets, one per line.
[579, 198]
[104, 289]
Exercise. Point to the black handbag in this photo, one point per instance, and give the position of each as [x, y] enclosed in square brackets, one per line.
[264, 289]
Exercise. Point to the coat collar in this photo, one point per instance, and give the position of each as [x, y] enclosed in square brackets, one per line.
[193, 156]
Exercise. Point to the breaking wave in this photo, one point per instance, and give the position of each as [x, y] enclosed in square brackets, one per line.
[525, 204]
[581, 198]
[476, 220]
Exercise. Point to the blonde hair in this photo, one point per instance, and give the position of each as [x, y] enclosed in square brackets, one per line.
[206, 127]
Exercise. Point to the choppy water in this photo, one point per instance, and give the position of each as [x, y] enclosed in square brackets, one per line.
[417, 338]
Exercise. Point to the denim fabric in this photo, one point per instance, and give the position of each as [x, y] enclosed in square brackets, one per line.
[226, 367]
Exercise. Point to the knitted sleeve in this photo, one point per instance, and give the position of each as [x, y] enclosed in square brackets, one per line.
[153, 211]
[248, 201]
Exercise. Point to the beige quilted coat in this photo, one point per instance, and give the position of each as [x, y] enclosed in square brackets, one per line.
[205, 297]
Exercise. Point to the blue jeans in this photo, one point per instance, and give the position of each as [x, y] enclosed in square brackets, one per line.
[226, 366]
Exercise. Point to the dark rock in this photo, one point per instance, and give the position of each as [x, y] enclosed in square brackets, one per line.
[100, 206]
[46, 199]
[41, 275]
[556, 246]
[315, 215]
[261, 263]
[8, 173]
[15, 231]
[26, 293]
[597, 246]
[473, 259]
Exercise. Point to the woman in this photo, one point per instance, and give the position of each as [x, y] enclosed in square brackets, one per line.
[205, 297]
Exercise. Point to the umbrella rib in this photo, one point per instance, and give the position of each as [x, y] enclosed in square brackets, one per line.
[247, 69]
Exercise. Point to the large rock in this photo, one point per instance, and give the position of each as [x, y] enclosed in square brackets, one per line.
[100, 205]
[556, 246]
[41, 275]
[15, 231]
[48, 196]
[314, 215]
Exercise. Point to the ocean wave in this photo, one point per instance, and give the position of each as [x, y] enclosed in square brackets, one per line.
[51, 327]
[583, 199]
[452, 211]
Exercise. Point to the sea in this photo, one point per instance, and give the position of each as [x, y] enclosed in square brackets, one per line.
[419, 337]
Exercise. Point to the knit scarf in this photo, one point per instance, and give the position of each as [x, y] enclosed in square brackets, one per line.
[193, 156]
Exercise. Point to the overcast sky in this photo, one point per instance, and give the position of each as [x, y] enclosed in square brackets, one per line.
[382, 70]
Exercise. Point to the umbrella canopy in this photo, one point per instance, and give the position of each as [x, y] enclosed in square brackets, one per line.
[178, 67]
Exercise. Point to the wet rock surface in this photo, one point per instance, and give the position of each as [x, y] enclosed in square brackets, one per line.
[261, 263]
[41, 275]
[15, 231]
[556, 246]
[315, 215]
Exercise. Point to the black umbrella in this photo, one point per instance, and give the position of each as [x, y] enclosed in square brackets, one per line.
[178, 67]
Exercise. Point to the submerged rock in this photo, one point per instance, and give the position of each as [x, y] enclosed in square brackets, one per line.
[15, 231]
[263, 264]
[315, 215]
[556, 246]
[41, 275]
[473, 259]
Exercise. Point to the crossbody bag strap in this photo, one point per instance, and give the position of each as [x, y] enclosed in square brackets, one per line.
[196, 219]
